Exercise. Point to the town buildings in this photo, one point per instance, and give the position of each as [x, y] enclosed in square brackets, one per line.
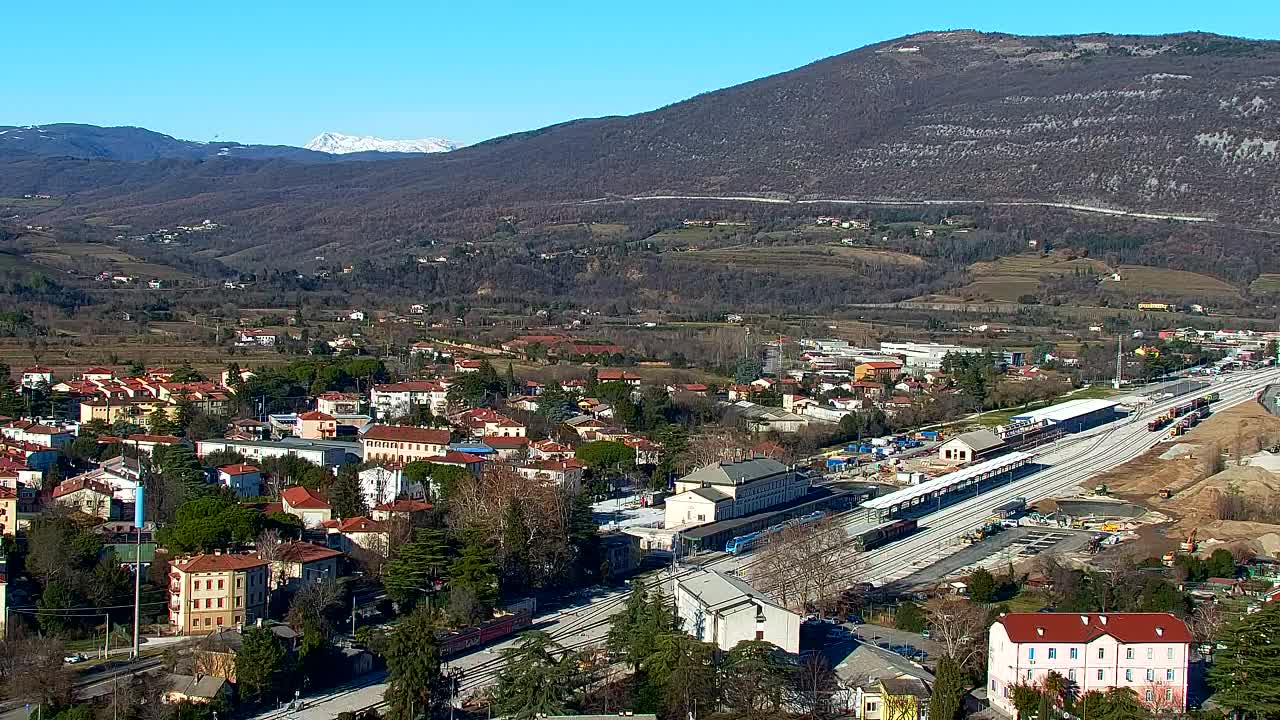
[307, 505]
[243, 480]
[1148, 653]
[208, 592]
[397, 400]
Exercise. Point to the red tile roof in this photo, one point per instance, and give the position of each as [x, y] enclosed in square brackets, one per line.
[404, 505]
[75, 484]
[497, 442]
[359, 524]
[7, 493]
[157, 439]
[218, 563]
[239, 469]
[404, 433]
[303, 552]
[1084, 627]
[315, 415]
[412, 386]
[882, 365]
[454, 457]
[304, 498]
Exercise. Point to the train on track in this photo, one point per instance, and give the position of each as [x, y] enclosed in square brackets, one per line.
[743, 543]
[473, 637]
[1195, 410]
[873, 538]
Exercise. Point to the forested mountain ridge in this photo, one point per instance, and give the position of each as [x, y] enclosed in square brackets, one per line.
[1178, 123]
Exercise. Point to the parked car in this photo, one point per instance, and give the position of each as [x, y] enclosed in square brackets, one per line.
[854, 619]
[76, 658]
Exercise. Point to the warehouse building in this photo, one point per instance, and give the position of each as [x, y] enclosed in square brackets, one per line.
[1073, 415]
[971, 446]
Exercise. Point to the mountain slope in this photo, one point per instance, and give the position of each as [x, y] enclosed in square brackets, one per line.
[1181, 123]
[132, 144]
[339, 144]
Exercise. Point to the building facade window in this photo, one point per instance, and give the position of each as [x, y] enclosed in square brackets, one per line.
[1071, 674]
[1168, 674]
[1074, 653]
[1128, 653]
[1128, 675]
[1100, 671]
[1168, 653]
[1031, 653]
[1053, 653]
[1101, 653]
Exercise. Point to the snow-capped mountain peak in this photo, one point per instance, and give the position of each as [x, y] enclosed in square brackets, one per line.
[339, 144]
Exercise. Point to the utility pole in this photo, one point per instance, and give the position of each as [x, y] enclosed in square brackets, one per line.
[137, 566]
[1119, 360]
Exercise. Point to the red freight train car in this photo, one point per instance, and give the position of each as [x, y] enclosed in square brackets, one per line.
[486, 633]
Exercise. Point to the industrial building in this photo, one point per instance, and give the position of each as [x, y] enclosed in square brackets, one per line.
[971, 446]
[1073, 415]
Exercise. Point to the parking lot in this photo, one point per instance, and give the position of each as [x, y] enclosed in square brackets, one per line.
[996, 553]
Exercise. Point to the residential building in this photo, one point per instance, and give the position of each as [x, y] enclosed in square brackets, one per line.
[399, 399]
[34, 377]
[647, 452]
[243, 480]
[401, 443]
[586, 426]
[25, 431]
[549, 450]
[728, 490]
[877, 370]
[8, 512]
[208, 592]
[316, 425]
[723, 610]
[901, 698]
[925, 356]
[359, 534]
[87, 496]
[325, 453]
[301, 563]
[621, 552]
[146, 444]
[384, 483]
[859, 672]
[1146, 652]
[198, 689]
[337, 403]
[406, 509]
[605, 375]
[565, 474]
[307, 505]
[484, 422]
[256, 336]
[971, 446]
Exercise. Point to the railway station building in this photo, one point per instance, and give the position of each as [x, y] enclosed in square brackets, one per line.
[728, 490]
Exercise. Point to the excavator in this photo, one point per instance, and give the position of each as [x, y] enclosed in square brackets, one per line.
[1189, 545]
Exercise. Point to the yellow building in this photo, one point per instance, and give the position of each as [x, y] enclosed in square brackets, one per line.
[210, 592]
[8, 512]
[135, 410]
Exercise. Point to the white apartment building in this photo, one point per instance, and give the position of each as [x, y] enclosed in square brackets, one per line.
[1146, 652]
[923, 356]
[398, 399]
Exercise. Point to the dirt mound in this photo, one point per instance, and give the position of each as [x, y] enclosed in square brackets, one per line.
[1197, 506]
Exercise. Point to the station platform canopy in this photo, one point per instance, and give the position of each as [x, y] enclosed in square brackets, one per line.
[964, 477]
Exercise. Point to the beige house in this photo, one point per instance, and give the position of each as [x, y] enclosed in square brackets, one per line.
[208, 592]
[87, 496]
[306, 505]
[199, 689]
[316, 425]
[565, 474]
[301, 563]
[403, 444]
[360, 533]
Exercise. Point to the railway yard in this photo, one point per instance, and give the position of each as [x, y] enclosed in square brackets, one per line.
[934, 544]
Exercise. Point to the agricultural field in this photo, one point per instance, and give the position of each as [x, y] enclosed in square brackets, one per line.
[599, 231]
[91, 258]
[1266, 283]
[1137, 279]
[1009, 278]
[804, 258]
[696, 235]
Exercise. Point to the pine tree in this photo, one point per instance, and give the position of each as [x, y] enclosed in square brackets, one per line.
[948, 691]
[261, 666]
[475, 571]
[536, 678]
[416, 687]
[511, 380]
[1244, 673]
[416, 565]
[346, 496]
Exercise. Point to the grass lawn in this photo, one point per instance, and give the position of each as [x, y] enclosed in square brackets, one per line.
[1027, 601]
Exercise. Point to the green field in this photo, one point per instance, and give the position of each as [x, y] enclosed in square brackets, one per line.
[1266, 283]
[1138, 279]
[1009, 278]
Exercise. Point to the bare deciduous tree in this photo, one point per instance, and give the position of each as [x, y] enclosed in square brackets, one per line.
[806, 567]
[957, 623]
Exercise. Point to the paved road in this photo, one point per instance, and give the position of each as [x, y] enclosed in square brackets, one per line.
[1070, 462]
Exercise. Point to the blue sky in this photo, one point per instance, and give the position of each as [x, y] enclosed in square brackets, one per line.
[279, 71]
